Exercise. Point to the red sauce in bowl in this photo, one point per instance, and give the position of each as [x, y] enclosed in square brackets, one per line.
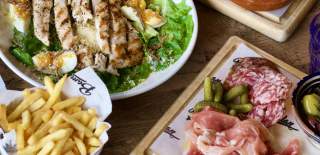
[261, 5]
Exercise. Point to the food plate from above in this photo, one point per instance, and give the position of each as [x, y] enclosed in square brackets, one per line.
[134, 46]
[277, 24]
[239, 103]
[66, 117]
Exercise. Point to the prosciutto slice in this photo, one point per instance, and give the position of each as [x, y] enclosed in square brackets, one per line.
[215, 133]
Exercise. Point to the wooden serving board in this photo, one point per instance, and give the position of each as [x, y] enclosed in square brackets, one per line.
[167, 136]
[275, 27]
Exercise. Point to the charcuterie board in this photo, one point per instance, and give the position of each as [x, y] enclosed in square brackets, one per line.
[278, 24]
[169, 131]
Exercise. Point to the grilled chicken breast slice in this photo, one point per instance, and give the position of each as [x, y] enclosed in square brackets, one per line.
[41, 19]
[101, 19]
[63, 24]
[81, 10]
[100, 62]
[85, 57]
[118, 38]
[134, 51]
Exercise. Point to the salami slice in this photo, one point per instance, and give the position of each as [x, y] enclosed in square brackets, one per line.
[268, 88]
[268, 114]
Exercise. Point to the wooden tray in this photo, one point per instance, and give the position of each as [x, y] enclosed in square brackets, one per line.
[191, 92]
[265, 23]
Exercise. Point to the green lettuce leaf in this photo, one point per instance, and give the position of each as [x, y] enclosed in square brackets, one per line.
[176, 33]
[22, 56]
[129, 77]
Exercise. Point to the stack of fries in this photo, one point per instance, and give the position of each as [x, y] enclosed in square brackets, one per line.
[47, 123]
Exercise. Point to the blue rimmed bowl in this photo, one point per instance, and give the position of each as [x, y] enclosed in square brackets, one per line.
[309, 84]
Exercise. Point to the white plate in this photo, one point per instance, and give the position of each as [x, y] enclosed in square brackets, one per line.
[154, 80]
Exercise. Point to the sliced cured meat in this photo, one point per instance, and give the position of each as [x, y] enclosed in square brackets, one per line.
[268, 88]
[268, 114]
[215, 133]
[242, 76]
[292, 149]
[193, 150]
[207, 119]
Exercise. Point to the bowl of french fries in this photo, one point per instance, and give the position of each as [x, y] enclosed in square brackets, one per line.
[46, 121]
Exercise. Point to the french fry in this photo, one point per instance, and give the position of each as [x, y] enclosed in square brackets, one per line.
[78, 115]
[100, 129]
[36, 121]
[92, 112]
[58, 135]
[92, 149]
[75, 101]
[69, 153]
[80, 135]
[20, 137]
[60, 126]
[26, 119]
[47, 148]
[13, 125]
[74, 109]
[76, 124]
[58, 120]
[3, 118]
[68, 146]
[93, 141]
[75, 150]
[37, 105]
[56, 93]
[49, 84]
[47, 116]
[44, 94]
[41, 131]
[23, 106]
[80, 145]
[92, 123]
[26, 92]
[85, 118]
[60, 144]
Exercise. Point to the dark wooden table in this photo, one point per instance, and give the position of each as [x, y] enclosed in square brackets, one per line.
[132, 118]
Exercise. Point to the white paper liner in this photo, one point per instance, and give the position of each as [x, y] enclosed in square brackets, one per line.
[2, 85]
[173, 139]
[83, 83]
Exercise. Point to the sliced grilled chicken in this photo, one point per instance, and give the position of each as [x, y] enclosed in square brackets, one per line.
[87, 35]
[63, 24]
[101, 19]
[55, 62]
[85, 57]
[20, 13]
[118, 38]
[100, 62]
[41, 19]
[134, 51]
[81, 10]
